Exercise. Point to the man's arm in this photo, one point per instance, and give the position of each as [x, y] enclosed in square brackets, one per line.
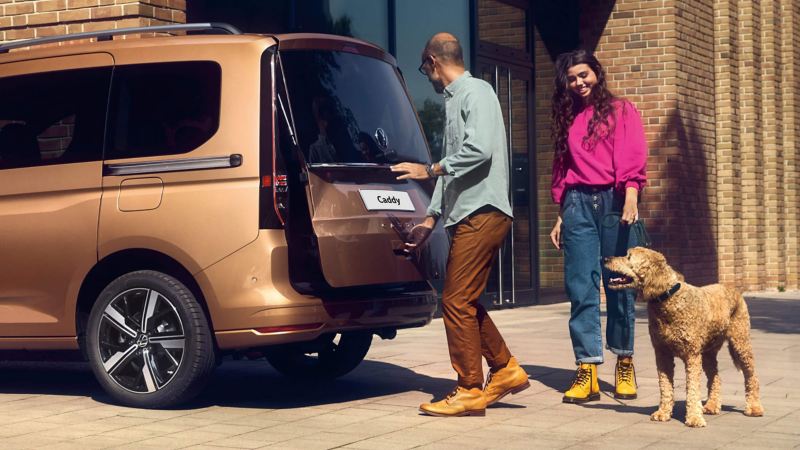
[480, 111]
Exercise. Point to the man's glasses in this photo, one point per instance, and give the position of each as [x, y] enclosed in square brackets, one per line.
[421, 67]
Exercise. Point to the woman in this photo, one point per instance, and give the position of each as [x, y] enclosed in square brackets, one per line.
[598, 171]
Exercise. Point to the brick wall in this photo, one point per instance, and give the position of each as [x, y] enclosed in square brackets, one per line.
[26, 19]
[715, 84]
[502, 24]
[551, 262]
[756, 51]
[691, 197]
[790, 86]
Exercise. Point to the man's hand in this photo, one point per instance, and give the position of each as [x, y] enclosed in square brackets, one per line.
[410, 171]
[418, 235]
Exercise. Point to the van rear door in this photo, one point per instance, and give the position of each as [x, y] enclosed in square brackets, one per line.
[353, 119]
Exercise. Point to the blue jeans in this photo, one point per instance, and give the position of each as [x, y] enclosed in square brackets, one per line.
[590, 231]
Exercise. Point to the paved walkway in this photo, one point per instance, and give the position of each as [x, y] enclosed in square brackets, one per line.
[248, 405]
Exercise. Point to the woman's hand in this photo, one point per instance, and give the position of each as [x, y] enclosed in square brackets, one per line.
[630, 211]
[555, 234]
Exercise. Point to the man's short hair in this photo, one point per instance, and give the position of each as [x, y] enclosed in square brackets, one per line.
[447, 51]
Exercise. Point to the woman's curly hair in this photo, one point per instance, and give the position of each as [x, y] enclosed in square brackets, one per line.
[566, 105]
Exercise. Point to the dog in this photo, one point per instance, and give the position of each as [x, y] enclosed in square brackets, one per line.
[691, 323]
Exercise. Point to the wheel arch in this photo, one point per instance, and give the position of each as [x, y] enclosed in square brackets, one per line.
[117, 264]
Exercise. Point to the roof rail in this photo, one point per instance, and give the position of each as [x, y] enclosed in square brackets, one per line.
[108, 35]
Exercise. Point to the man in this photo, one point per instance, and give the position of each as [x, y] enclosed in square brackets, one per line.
[471, 196]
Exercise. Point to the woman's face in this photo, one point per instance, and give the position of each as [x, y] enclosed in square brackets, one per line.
[581, 79]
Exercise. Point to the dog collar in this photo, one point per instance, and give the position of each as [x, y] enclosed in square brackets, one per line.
[669, 293]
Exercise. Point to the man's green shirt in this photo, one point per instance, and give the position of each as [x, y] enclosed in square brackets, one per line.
[476, 154]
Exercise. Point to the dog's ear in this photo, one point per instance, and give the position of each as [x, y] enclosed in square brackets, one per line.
[651, 261]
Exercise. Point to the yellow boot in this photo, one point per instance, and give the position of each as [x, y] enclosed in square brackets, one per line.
[584, 387]
[460, 402]
[626, 379]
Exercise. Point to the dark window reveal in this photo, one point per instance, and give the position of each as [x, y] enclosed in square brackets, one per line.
[163, 108]
[53, 117]
[350, 108]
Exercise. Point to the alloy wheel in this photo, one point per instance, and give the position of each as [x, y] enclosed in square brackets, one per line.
[141, 340]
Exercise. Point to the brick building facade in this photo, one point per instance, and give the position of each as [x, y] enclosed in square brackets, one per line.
[28, 19]
[715, 83]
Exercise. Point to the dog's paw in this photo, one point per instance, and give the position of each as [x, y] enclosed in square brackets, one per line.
[712, 408]
[755, 410]
[661, 416]
[695, 421]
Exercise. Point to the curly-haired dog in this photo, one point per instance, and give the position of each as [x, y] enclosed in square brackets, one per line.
[691, 323]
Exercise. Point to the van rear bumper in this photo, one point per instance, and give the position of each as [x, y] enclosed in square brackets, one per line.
[305, 323]
[251, 302]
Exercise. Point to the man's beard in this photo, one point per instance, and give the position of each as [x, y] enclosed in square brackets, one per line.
[438, 86]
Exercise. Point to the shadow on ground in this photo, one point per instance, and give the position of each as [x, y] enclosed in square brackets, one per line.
[255, 384]
[678, 412]
[558, 378]
[774, 315]
[243, 384]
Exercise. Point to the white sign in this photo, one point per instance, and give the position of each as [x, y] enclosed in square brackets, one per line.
[376, 200]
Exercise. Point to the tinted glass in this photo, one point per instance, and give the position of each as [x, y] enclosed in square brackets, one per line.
[362, 19]
[52, 118]
[417, 21]
[350, 108]
[163, 108]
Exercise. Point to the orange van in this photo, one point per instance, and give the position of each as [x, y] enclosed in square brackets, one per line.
[165, 201]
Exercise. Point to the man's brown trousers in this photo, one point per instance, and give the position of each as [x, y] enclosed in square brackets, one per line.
[470, 332]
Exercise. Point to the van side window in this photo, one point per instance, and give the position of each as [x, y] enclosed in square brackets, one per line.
[163, 108]
[53, 118]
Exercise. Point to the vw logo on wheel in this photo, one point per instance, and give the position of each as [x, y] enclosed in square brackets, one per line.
[381, 139]
[142, 341]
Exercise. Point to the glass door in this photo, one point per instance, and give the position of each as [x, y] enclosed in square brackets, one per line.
[513, 278]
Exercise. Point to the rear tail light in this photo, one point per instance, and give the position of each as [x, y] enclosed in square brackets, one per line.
[274, 201]
[281, 184]
[281, 189]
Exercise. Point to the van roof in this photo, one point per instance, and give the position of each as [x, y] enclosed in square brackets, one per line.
[290, 40]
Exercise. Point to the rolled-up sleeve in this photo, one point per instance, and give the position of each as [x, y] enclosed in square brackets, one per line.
[630, 149]
[435, 208]
[480, 107]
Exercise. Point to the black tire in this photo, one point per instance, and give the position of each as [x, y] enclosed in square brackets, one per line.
[333, 360]
[161, 364]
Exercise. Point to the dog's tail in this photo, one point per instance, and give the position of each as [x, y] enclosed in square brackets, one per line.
[740, 326]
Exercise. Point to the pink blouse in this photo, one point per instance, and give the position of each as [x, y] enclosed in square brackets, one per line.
[619, 159]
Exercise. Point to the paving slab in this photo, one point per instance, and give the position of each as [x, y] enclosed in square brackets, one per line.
[249, 405]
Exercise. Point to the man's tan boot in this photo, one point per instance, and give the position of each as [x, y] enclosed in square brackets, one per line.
[584, 387]
[460, 402]
[511, 379]
[625, 379]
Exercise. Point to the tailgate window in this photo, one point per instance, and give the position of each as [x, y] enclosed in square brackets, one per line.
[350, 108]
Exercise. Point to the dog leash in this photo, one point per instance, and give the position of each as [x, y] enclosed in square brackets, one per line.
[669, 293]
